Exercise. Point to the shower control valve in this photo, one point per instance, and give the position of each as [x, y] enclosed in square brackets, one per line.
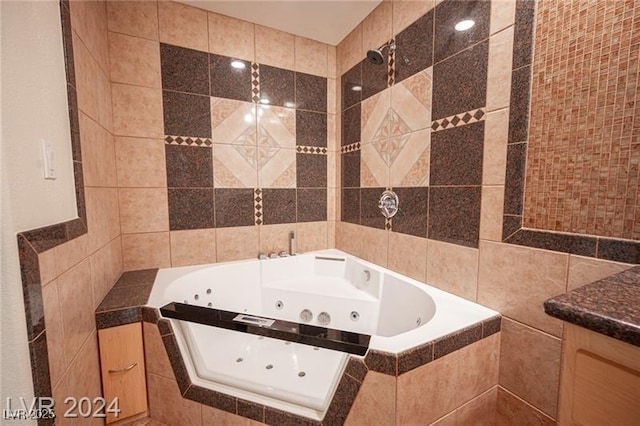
[388, 204]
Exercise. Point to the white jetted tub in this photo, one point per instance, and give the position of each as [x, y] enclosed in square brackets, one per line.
[328, 288]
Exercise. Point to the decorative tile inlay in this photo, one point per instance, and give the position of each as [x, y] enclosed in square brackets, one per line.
[255, 82]
[411, 103]
[257, 206]
[458, 120]
[233, 122]
[185, 140]
[375, 118]
[409, 160]
[391, 66]
[276, 167]
[235, 166]
[374, 170]
[350, 148]
[276, 127]
[311, 150]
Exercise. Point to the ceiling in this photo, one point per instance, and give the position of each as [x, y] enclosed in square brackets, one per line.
[328, 21]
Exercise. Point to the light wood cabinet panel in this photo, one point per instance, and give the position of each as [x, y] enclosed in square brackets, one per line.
[123, 370]
[600, 380]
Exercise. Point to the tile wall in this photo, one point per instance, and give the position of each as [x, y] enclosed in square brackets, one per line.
[225, 132]
[460, 190]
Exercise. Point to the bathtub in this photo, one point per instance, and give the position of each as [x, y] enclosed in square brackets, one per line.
[330, 291]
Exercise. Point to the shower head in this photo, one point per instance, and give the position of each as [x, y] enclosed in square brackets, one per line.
[375, 55]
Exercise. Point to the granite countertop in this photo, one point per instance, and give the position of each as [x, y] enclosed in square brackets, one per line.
[124, 303]
[610, 306]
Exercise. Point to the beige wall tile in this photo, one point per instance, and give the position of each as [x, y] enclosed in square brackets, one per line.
[214, 417]
[331, 169]
[452, 268]
[374, 115]
[47, 266]
[414, 405]
[103, 273]
[377, 26]
[585, 270]
[375, 245]
[134, 60]
[143, 210]
[155, 355]
[235, 166]
[167, 405]
[231, 37]
[332, 65]
[275, 48]
[276, 127]
[331, 234]
[375, 403]
[141, 162]
[491, 209]
[479, 411]
[479, 367]
[411, 102]
[408, 255]
[351, 50]
[98, 154]
[71, 253]
[183, 25]
[406, 12]
[331, 204]
[82, 378]
[311, 56]
[137, 111]
[311, 236]
[76, 304]
[503, 14]
[237, 243]
[89, 21]
[459, 377]
[193, 247]
[499, 72]
[87, 75]
[374, 171]
[144, 251]
[512, 410]
[133, 17]
[332, 106]
[517, 280]
[348, 237]
[530, 365]
[494, 162]
[275, 238]
[55, 334]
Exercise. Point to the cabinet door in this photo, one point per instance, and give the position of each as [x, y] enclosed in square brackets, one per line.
[123, 371]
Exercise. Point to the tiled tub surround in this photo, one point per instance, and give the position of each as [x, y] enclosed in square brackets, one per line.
[420, 132]
[467, 358]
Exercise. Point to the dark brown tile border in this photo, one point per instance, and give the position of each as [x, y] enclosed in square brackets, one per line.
[382, 362]
[415, 357]
[118, 317]
[626, 251]
[251, 410]
[458, 340]
[177, 363]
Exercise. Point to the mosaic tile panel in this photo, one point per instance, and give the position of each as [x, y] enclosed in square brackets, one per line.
[583, 156]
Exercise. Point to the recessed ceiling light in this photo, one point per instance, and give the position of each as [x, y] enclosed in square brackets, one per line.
[357, 88]
[239, 65]
[464, 25]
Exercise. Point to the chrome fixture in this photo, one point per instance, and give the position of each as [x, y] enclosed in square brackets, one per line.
[283, 254]
[262, 256]
[273, 255]
[389, 204]
[375, 55]
[292, 243]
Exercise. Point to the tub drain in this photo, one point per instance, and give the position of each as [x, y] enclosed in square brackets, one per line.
[269, 367]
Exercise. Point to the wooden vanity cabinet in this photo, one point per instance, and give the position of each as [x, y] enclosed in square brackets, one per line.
[123, 369]
[600, 380]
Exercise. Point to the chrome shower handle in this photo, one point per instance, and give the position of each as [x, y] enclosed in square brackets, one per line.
[388, 204]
